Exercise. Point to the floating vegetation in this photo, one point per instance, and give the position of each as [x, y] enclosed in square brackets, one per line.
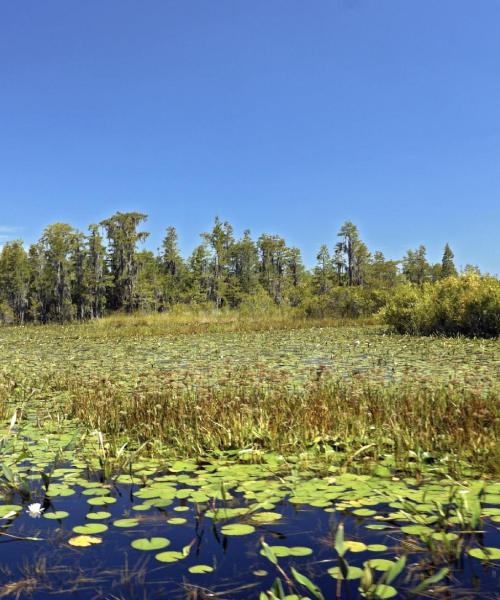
[156, 460]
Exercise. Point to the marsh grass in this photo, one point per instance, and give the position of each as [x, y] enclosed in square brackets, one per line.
[197, 320]
[408, 421]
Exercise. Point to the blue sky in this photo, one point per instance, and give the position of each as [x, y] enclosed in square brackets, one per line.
[282, 116]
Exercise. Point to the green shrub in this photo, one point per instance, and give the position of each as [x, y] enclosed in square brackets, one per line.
[467, 305]
[346, 302]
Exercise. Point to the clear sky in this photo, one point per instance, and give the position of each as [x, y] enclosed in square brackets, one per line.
[283, 116]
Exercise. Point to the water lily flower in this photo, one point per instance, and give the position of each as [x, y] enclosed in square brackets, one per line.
[35, 510]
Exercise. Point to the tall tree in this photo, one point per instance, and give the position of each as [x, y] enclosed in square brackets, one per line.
[97, 276]
[172, 267]
[272, 254]
[199, 275]
[448, 268]
[14, 278]
[339, 263]
[243, 269]
[356, 254]
[123, 237]
[219, 243]
[57, 245]
[323, 271]
[415, 266]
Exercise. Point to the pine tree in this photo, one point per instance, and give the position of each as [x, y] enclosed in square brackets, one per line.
[448, 268]
[173, 269]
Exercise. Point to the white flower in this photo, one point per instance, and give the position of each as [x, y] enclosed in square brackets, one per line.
[35, 510]
[357, 342]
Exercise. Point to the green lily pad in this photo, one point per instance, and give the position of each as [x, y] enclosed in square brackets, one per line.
[377, 547]
[177, 521]
[420, 530]
[5, 509]
[154, 543]
[486, 553]
[101, 500]
[56, 515]
[382, 591]
[201, 569]
[126, 523]
[352, 573]
[98, 515]
[379, 564]
[237, 529]
[90, 528]
[169, 556]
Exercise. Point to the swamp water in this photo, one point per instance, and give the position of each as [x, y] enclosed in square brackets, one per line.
[227, 528]
[187, 530]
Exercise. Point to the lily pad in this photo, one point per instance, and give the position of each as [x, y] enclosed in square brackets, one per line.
[201, 569]
[154, 543]
[237, 529]
[56, 515]
[352, 573]
[169, 556]
[90, 528]
[486, 553]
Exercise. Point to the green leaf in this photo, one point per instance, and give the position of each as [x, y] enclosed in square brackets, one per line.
[308, 584]
[154, 543]
[426, 583]
[201, 569]
[237, 529]
[339, 540]
[395, 570]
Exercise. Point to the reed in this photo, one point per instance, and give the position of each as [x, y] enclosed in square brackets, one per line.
[404, 420]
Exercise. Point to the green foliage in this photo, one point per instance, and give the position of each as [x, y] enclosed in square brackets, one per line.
[468, 305]
[68, 275]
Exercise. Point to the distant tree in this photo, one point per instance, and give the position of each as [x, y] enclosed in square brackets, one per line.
[339, 263]
[272, 264]
[294, 273]
[173, 269]
[356, 253]
[98, 278]
[123, 237]
[323, 271]
[471, 270]
[415, 266]
[199, 275]
[219, 242]
[36, 291]
[80, 295]
[147, 288]
[243, 270]
[382, 273]
[14, 278]
[448, 268]
[57, 245]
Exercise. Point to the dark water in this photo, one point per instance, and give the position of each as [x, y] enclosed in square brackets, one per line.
[115, 570]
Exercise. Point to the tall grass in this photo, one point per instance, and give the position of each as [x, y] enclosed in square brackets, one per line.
[192, 319]
[397, 418]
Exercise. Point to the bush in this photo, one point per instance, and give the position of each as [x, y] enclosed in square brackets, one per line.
[468, 305]
[347, 302]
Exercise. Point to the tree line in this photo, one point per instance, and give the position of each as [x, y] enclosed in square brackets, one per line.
[68, 274]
